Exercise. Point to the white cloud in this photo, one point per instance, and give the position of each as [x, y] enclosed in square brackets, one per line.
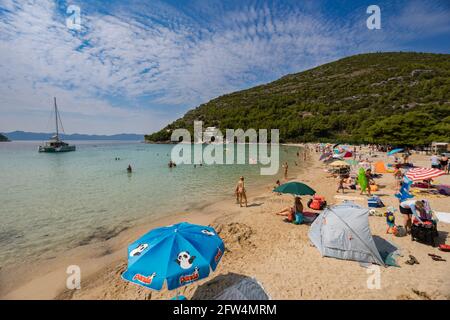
[155, 53]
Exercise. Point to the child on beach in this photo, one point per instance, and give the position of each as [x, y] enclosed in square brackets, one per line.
[390, 221]
[240, 192]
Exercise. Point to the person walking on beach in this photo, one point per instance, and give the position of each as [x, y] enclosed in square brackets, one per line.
[342, 179]
[240, 192]
[405, 156]
[398, 175]
[435, 161]
[285, 166]
[443, 162]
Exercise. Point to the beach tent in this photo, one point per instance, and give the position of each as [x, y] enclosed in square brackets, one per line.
[380, 167]
[245, 289]
[343, 232]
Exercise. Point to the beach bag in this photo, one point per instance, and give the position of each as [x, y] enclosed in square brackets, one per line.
[424, 234]
[298, 218]
[375, 202]
[400, 231]
[444, 189]
[317, 203]
[373, 187]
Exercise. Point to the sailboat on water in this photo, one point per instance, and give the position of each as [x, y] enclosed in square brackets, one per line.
[55, 144]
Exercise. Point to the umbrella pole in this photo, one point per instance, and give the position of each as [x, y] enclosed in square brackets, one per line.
[177, 294]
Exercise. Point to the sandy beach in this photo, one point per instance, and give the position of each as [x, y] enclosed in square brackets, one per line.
[259, 245]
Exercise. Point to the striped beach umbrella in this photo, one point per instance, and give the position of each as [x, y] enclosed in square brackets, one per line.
[423, 173]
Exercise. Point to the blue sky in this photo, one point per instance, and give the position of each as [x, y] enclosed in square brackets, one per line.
[136, 65]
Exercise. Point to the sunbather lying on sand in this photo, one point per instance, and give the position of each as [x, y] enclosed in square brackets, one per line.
[290, 212]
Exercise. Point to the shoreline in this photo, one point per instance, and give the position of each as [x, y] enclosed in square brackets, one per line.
[259, 244]
[98, 255]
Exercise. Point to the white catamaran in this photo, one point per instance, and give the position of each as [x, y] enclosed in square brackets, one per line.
[55, 144]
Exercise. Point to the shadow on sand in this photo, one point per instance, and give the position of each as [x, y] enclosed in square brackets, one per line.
[230, 286]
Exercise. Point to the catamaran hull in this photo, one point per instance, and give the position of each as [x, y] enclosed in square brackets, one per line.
[55, 150]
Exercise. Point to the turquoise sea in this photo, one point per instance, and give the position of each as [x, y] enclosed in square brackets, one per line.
[52, 202]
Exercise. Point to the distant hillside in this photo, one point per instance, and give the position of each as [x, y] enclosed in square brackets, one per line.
[22, 135]
[3, 138]
[389, 98]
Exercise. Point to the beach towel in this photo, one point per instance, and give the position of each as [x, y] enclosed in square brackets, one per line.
[444, 189]
[443, 216]
[350, 198]
[309, 217]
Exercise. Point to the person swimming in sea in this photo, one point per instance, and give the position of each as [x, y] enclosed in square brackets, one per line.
[172, 164]
[286, 167]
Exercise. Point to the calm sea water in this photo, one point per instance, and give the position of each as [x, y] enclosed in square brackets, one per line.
[51, 202]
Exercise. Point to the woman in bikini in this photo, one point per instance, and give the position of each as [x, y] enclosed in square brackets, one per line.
[290, 212]
[240, 192]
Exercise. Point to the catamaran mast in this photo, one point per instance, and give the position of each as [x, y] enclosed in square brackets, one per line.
[56, 119]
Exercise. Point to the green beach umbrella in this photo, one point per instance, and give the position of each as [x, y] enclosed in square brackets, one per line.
[295, 188]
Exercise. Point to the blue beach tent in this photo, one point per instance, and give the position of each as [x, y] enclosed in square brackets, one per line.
[343, 232]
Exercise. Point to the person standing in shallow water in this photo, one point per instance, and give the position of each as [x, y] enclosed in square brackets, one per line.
[129, 169]
[240, 192]
[286, 167]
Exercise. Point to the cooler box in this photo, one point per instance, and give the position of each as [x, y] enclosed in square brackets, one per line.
[375, 202]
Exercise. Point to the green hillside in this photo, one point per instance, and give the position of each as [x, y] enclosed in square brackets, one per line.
[3, 138]
[394, 98]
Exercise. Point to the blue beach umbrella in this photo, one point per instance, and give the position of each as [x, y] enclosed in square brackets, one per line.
[392, 152]
[179, 255]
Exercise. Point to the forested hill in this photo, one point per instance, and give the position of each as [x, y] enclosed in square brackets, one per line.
[389, 98]
[3, 138]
